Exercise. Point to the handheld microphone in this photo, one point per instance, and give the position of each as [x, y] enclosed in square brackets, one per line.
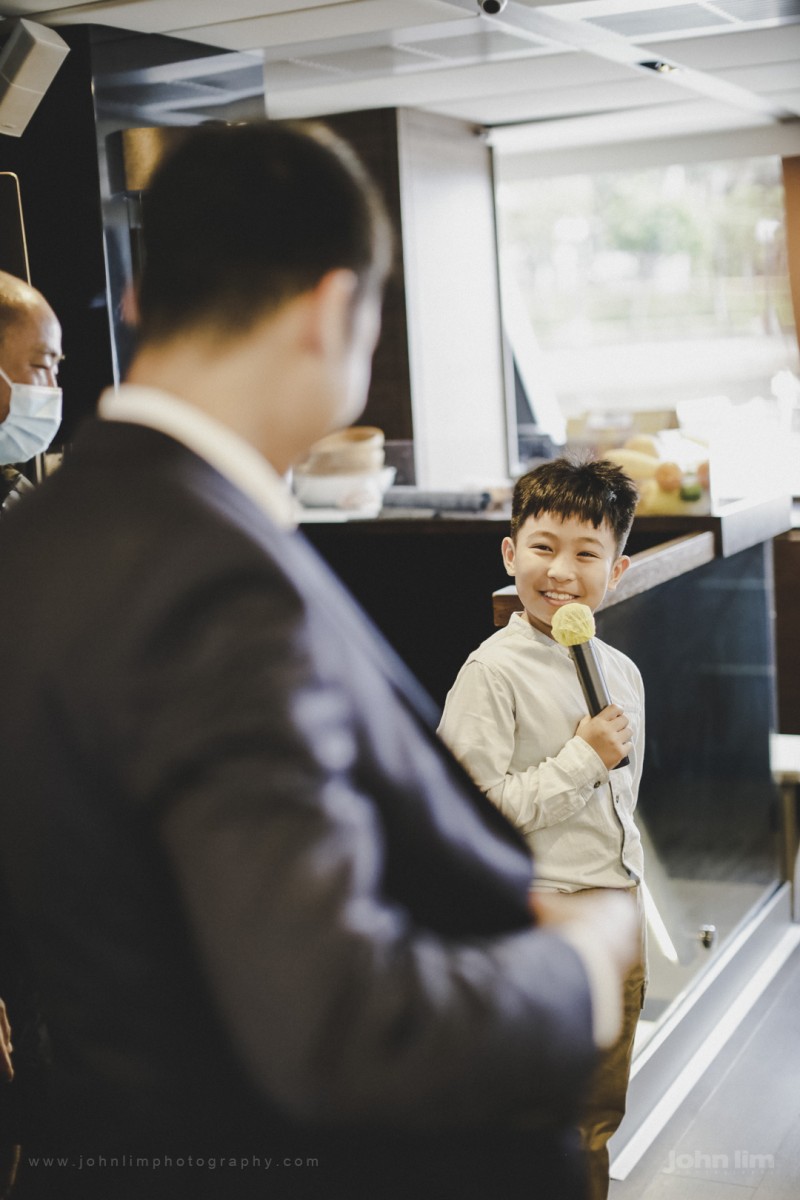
[573, 627]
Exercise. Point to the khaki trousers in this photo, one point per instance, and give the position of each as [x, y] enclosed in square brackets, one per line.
[604, 1106]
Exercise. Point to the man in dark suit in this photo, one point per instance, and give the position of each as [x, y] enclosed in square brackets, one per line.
[269, 915]
[30, 414]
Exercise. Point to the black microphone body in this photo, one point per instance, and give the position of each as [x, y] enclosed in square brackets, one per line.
[592, 681]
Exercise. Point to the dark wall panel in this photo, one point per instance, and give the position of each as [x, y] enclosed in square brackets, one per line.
[374, 136]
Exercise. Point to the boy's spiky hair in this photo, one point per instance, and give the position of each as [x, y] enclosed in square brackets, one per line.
[591, 490]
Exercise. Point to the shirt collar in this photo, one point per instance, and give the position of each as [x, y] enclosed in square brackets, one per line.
[521, 624]
[221, 448]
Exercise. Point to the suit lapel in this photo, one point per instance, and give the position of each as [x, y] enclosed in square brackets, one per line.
[309, 572]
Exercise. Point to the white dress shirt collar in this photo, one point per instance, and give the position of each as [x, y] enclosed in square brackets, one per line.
[212, 441]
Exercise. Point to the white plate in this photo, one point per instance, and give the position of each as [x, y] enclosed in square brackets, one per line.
[351, 492]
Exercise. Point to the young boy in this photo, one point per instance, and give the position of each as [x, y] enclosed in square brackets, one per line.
[517, 719]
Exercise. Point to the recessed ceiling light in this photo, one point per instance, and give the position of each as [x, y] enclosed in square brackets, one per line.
[663, 68]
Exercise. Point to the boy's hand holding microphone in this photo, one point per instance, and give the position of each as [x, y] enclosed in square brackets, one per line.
[606, 729]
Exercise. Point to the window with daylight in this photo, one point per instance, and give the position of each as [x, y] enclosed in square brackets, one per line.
[629, 295]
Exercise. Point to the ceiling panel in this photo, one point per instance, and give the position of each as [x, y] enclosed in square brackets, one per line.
[29, 8]
[759, 10]
[647, 22]
[406, 56]
[553, 103]
[329, 21]
[540, 75]
[538, 60]
[739, 49]
[765, 77]
[483, 43]
[689, 116]
[375, 60]
[599, 10]
[158, 16]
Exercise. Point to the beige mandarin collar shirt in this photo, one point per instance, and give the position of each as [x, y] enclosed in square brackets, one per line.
[511, 716]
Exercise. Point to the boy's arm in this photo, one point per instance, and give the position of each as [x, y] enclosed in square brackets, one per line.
[479, 723]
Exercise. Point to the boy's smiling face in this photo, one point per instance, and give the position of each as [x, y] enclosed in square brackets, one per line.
[556, 561]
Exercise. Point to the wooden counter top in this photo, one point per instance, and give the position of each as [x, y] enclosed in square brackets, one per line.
[735, 526]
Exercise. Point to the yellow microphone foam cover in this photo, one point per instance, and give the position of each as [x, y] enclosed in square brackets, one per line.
[573, 624]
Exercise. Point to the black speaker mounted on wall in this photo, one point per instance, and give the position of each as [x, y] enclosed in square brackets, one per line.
[29, 60]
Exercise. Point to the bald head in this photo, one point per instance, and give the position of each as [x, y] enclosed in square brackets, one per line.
[18, 300]
[30, 338]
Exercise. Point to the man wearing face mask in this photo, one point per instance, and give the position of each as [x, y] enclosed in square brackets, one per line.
[30, 401]
[30, 415]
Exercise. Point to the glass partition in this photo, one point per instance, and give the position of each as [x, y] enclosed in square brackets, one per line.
[708, 803]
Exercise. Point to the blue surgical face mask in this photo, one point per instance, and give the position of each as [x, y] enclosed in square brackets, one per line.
[34, 416]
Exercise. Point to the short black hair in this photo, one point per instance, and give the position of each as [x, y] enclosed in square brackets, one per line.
[238, 219]
[591, 490]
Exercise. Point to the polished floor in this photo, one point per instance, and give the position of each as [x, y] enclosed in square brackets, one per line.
[737, 1134]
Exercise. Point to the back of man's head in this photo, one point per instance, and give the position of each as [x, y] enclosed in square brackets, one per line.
[240, 219]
